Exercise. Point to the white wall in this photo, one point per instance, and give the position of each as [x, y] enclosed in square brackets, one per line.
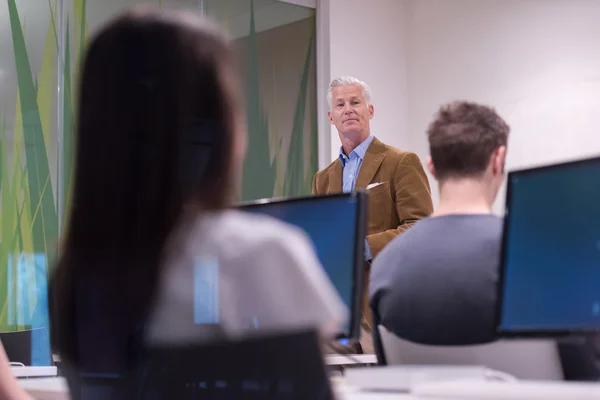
[537, 62]
[367, 41]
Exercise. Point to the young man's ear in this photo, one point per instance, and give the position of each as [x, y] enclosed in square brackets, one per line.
[431, 167]
[499, 160]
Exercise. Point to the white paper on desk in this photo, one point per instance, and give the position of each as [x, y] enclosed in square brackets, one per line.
[372, 185]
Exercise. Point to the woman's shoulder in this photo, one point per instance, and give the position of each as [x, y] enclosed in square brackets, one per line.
[248, 229]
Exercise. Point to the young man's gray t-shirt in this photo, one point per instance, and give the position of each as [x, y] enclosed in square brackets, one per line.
[436, 283]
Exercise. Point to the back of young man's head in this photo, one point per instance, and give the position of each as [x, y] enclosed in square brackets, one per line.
[467, 141]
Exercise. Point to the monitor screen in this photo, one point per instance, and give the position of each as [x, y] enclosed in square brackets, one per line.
[336, 226]
[24, 322]
[550, 273]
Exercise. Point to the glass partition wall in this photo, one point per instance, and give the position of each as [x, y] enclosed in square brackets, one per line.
[275, 44]
[41, 45]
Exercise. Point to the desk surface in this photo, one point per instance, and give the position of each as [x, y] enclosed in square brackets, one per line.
[351, 359]
[46, 388]
[56, 389]
[344, 392]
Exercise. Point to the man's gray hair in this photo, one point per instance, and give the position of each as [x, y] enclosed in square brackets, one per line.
[349, 80]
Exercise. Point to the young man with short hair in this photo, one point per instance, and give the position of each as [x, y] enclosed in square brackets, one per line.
[435, 284]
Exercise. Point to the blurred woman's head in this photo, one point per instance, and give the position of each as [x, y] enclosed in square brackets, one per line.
[158, 96]
[160, 131]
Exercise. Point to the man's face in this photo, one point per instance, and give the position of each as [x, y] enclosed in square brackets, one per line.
[350, 112]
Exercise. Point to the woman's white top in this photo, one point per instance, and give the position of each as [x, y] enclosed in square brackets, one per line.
[238, 274]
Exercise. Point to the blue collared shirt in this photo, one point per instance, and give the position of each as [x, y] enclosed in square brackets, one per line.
[351, 166]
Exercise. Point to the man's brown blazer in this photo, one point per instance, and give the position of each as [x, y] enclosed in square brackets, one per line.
[402, 197]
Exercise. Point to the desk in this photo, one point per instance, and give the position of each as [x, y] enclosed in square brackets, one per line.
[56, 389]
[350, 359]
[344, 392]
[46, 388]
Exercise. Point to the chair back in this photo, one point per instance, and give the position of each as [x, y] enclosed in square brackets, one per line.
[525, 359]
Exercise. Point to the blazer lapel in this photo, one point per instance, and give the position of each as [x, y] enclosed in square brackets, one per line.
[373, 159]
[335, 178]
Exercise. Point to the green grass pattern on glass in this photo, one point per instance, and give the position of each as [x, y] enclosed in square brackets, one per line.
[295, 181]
[7, 222]
[80, 44]
[28, 221]
[259, 174]
[43, 209]
[79, 11]
[259, 170]
[68, 122]
[46, 88]
[29, 217]
[313, 140]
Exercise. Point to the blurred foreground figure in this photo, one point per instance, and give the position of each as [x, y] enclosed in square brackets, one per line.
[153, 252]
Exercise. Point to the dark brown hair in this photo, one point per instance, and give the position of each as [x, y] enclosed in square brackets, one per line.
[463, 137]
[155, 138]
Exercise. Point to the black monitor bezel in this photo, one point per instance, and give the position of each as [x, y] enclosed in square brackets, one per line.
[359, 254]
[29, 331]
[502, 332]
[167, 369]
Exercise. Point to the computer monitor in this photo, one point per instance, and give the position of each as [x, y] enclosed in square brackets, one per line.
[272, 367]
[549, 282]
[24, 328]
[336, 224]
